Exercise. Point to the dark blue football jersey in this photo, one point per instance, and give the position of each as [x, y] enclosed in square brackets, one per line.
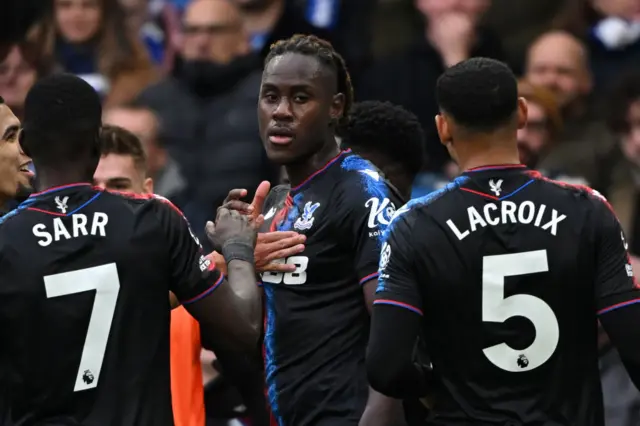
[317, 323]
[85, 277]
[509, 271]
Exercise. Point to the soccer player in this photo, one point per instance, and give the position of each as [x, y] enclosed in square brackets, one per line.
[84, 278]
[390, 137]
[123, 167]
[317, 321]
[505, 273]
[15, 175]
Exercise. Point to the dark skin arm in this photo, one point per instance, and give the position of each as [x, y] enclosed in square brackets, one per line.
[231, 317]
[380, 410]
[232, 314]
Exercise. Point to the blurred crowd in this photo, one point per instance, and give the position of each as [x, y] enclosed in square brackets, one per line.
[184, 76]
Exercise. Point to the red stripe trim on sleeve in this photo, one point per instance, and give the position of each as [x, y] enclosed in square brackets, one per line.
[398, 304]
[206, 292]
[618, 306]
[368, 278]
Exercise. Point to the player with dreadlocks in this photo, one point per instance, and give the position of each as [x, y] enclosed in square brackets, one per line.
[317, 322]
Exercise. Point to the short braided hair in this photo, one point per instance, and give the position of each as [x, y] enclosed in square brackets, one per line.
[325, 53]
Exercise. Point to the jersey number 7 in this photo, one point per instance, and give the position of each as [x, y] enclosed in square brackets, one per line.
[497, 308]
[104, 280]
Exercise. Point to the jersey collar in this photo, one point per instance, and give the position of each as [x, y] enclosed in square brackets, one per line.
[58, 188]
[495, 167]
[321, 170]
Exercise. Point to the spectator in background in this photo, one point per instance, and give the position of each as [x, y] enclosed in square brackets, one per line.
[89, 38]
[623, 183]
[451, 34]
[349, 23]
[207, 109]
[611, 32]
[544, 124]
[622, 189]
[160, 167]
[157, 25]
[267, 21]
[559, 62]
[18, 71]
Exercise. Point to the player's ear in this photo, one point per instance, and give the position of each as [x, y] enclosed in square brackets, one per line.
[337, 107]
[147, 186]
[444, 132]
[523, 111]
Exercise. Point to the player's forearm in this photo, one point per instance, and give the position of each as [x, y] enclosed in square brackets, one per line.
[244, 371]
[390, 365]
[246, 294]
[621, 327]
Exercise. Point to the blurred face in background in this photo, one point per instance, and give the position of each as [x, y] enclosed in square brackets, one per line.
[16, 78]
[627, 9]
[557, 61]
[535, 136]
[473, 9]
[213, 32]
[137, 13]
[144, 124]
[78, 21]
[630, 140]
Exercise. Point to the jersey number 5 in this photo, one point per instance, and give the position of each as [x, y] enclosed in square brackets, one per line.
[104, 280]
[497, 308]
[297, 277]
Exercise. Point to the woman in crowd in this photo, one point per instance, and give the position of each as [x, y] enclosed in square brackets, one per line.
[89, 38]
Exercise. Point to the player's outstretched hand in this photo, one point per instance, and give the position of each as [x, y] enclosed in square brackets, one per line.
[235, 196]
[234, 235]
[277, 245]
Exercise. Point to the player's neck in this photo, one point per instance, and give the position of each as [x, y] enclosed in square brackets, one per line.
[472, 154]
[50, 179]
[298, 173]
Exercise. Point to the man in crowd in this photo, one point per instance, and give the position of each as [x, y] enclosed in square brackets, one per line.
[501, 242]
[208, 106]
[131, 251]
[451, 33]
[559, 62]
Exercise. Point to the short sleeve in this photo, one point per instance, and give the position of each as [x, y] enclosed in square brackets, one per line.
[193, 275]
[615, 284]
[398, 282]
[367, 209]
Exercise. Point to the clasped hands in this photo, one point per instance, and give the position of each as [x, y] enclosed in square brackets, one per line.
[270, 246]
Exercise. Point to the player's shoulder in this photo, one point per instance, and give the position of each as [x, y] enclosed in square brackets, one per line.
[360, 175]
[584, 194]
[143, 199]
[426, 202]
[275, 200]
